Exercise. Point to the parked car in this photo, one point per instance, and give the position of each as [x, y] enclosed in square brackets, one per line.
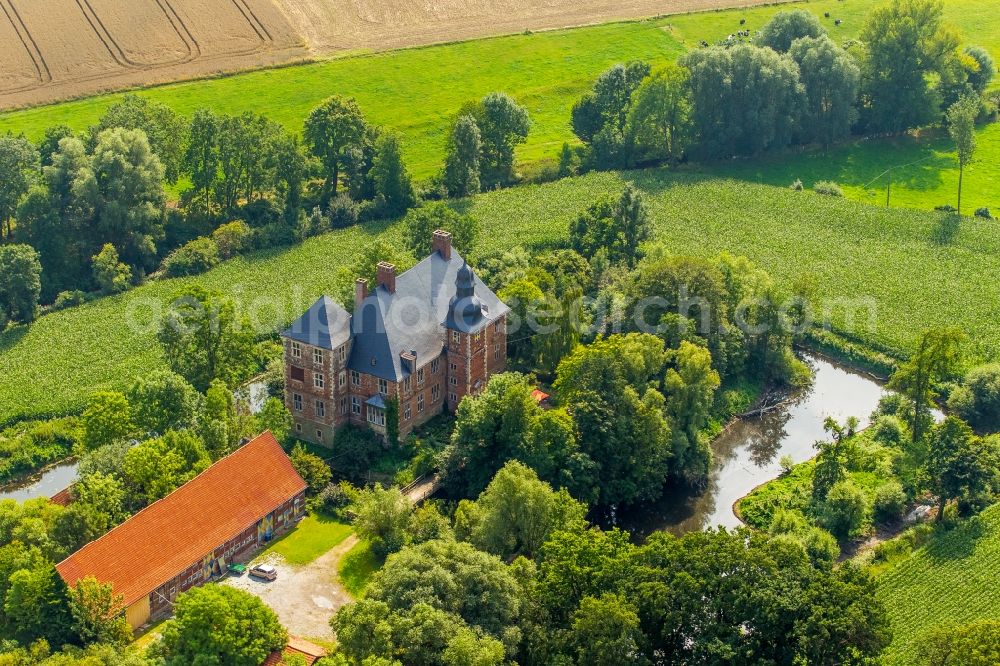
[264, 571]
[237, 569]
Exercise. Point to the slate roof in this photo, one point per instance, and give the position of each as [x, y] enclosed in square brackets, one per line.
[325, 324]
[161, 541]
[414, 317]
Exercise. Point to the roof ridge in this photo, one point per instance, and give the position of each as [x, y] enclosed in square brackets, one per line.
[153, 504]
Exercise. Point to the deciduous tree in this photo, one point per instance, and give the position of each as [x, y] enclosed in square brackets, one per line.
[461, 166]
[962, 128]
[331, 130]
[905, 42]
[831, 79]
[503, 125]
[19, 168]
[21, 284]
[217, 625]
[787, 26]
[421, 223]
[203, 339]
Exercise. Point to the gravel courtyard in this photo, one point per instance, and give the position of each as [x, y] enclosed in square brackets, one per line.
[304, 597]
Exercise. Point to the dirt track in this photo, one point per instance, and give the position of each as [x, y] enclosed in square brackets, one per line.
[59, 49]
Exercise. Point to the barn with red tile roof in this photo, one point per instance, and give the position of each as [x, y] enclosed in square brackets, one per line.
[223, 515]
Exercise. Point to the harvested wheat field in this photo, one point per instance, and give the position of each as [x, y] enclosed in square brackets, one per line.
[60, 49]
[56, 49]
[338, 25]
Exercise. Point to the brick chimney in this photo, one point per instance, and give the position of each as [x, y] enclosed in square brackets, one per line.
[387, 276]
[360, 290]
[442, 244]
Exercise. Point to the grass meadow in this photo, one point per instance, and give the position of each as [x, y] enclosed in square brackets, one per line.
[356, 568]
[908, 270]
[313, 536]
[417, 92]
[949, 581]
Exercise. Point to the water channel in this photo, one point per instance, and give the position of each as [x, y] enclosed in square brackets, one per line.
[747, 453]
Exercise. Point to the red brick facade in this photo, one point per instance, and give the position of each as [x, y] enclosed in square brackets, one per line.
[437, 384]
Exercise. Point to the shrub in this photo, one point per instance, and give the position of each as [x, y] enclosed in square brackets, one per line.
[195, 257]
[888, 430]
[797, 185]
[67, 299]
[343, 211]
[787, 463]
[111, 275]
[845, 510]
[890, 502]
[984, 213]
[232, 238]
[828, 188]
[946, 208]
[260, 213]
[820, 545]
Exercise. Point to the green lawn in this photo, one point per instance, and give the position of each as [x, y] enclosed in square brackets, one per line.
[912, 269]
[313, 536]
[418, 91]
[953, 579]
[357, 567]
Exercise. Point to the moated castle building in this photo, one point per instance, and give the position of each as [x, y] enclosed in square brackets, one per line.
[424, 338]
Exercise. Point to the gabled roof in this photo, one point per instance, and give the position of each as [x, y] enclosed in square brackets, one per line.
[414, 317]
[161, 541]
[296, 646]
[326, 324]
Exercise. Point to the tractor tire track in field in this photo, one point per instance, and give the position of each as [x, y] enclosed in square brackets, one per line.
[44, 75]
[255, 23]
[114, 49]
[194, 48]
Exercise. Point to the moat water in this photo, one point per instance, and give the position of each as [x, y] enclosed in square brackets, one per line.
[747, 454]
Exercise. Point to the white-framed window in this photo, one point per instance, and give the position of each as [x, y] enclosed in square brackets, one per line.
[420, 376]
[454, 367]
[406, 384]
[342, 353]
[296, 350]
[453, 381]
[342, 379]
[355, 405]
[496, 351]
[298, 428]
[320, 409]
[420, 402]
[376, 416]
[435, 393]
[496, 326]
[318, 380]
[297, 402]
[343, 405]
[435, 366]
[383, 387]
[318, 356]
[456, 337]
[453, 397]
[476, 337]
[407, 412]
[355, 378]
[319, 435]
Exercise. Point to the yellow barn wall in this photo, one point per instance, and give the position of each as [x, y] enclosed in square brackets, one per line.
[138, 613]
